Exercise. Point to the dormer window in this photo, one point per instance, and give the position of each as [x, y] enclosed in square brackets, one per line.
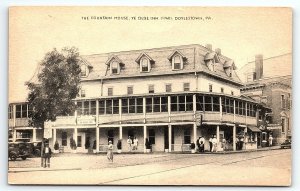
[177, 62]
[115, 67]
[145, 62]
[114, 64]
[83, 69]
[176, 58]
[144, 65]
[228, 67]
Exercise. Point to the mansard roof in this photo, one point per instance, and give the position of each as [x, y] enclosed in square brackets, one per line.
[194, 62]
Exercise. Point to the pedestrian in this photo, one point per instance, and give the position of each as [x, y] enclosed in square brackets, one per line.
[270, 140]
[237, 143]
[135, 143]
[215, 144]
[224, 142]
[198, 144]
[46, 155]
[129, 142]
[210, 143]
[202, 142]
[110, 155]
[242, 142]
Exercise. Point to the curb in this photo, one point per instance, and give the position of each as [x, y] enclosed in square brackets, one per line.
[42, 169]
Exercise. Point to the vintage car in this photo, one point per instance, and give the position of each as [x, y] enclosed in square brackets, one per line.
[18, 150]
[286, 144]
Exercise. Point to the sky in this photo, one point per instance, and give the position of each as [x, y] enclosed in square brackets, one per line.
[240, 33]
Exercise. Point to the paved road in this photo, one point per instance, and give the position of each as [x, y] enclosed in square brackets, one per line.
[253, 168]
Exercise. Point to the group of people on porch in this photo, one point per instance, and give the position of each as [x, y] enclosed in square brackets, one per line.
[213, 144]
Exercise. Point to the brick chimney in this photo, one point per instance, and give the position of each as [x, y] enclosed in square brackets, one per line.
[208, 46]
[218, 51]
[259, 66]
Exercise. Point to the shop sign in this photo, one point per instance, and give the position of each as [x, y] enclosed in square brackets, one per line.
[86, 120]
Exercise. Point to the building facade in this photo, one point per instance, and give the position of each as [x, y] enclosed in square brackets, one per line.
[18, 124]
[170, 96]
[275, 91]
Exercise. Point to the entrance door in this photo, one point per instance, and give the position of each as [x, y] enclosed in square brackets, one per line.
[81, 142]
[166, 138]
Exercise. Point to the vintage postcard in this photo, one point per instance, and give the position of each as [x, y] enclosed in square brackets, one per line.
[150, 96]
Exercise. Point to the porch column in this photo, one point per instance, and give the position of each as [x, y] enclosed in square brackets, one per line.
[34, 134]
[145, 137]
[218, 134]
[170, 136]
[195, 119]
[120, 132]
[234, 138]
[54, 137]
[97, 138]
[14, 135]
[75, 136]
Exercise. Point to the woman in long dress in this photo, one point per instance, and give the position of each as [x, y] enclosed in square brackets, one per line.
[110, 155]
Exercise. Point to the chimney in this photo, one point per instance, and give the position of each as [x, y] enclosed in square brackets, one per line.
[209, 47]
[259, 66]
[218, 51]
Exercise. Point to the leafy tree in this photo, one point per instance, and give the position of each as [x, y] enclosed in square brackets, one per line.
[57, 84]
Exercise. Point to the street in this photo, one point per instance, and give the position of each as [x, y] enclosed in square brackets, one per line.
[270, 167]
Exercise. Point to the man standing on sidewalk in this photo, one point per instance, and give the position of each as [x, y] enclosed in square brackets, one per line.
[210, 144]
[46, 155]
[270, 141]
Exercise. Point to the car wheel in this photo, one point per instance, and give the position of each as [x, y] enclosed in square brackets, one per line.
[13, 157]
[37, 152]
[23, 158]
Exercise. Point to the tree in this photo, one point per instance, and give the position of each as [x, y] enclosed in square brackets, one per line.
[58, 83]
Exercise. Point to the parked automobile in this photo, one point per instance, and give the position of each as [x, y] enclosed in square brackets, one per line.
[18, 150]
[35, 148]
[286, 144]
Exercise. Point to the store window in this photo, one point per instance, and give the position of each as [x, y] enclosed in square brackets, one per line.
[152, 136]
[110, 136]
[187, 136]
[64, 137]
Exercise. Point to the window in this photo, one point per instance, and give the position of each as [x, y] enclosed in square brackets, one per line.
[110, 91]
[189, 103]
[79, 108]
[139, 105]
[177, 62]
[282, 102]
[144, 64]
[101, 107]
[216, 104]
[115, 67]
[186, 86]
[115, 106]
[282, 125]
[110, 136]
[156, 104]
[18, 111]
[82, 93]
[164, 104]
[24, 110]
[152, 136]
[208, 103]
[79, 142]
[187, 136]
[151, 89]
[129, 90]
[199, 103]
[83, 70]
[93, 108]
[232, 93]
[108, 106]
[149, 102]
[30, 110]
[124, 105]
[181, 103]
[10, 112]
[174, 103]
[168, 87]
[64, 137]
[222, 90]
[210, 87]
[264, 136]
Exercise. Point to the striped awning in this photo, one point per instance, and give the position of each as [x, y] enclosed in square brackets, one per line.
[254, 129]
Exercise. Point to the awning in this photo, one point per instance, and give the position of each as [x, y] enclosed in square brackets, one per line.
[254, 129]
